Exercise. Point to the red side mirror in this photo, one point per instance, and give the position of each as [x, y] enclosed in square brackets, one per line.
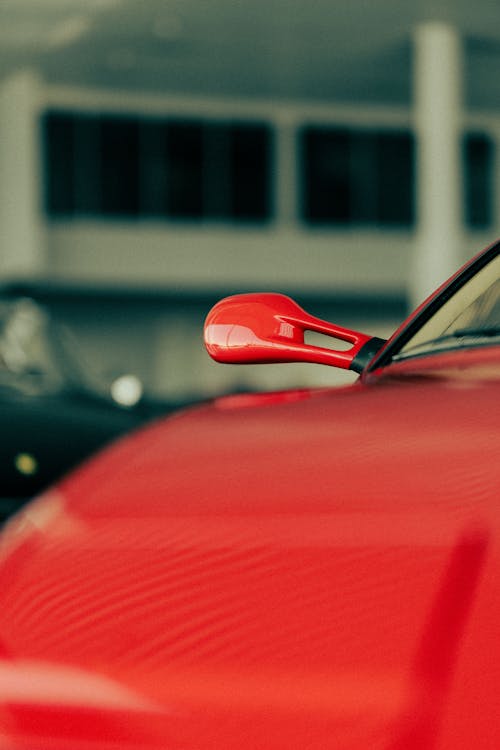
[259, 328]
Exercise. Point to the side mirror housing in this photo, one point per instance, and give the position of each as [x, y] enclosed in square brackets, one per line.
[268, 327]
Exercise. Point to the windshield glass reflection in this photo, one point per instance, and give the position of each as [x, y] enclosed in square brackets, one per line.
[470, 317]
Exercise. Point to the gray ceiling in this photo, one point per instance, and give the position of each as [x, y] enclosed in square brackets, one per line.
[326, 50]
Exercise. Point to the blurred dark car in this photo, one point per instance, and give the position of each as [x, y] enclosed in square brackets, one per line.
[54, 410]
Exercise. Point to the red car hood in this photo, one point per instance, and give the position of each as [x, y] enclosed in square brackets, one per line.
[308, 569]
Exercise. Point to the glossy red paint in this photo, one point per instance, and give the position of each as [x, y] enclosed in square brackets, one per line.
[327, 576]
[266, 327]
[312, 569]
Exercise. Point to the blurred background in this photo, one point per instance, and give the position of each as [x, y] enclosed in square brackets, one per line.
[157, 155]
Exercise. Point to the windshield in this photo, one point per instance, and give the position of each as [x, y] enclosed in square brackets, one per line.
[469, 317]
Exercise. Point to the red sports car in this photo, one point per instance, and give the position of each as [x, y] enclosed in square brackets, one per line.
[305, 569]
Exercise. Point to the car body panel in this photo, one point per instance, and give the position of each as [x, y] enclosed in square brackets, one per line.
[310, 569]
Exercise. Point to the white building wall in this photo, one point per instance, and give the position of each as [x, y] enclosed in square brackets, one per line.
[286, 255]
[22, 229]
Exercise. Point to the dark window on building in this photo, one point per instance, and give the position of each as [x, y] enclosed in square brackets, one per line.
[237, 173]
[59, 159]
[478, 152]
[152, 171]
[217, 183]
[119, 162]
[184, 166]
[396, 172]
[180, 169]
[357, 176]
[87, 174]
[326, 175]
[250, 159]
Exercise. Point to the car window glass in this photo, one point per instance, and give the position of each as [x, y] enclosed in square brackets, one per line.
[473, 311]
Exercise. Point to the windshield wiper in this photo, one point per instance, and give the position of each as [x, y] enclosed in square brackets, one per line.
[453, 338]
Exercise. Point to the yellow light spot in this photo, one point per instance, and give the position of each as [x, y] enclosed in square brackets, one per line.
[26, 464]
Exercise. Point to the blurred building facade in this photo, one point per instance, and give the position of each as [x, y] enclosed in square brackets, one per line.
[142, 208]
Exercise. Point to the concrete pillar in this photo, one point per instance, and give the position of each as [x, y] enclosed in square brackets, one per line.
[22, 245]
[438, 121]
